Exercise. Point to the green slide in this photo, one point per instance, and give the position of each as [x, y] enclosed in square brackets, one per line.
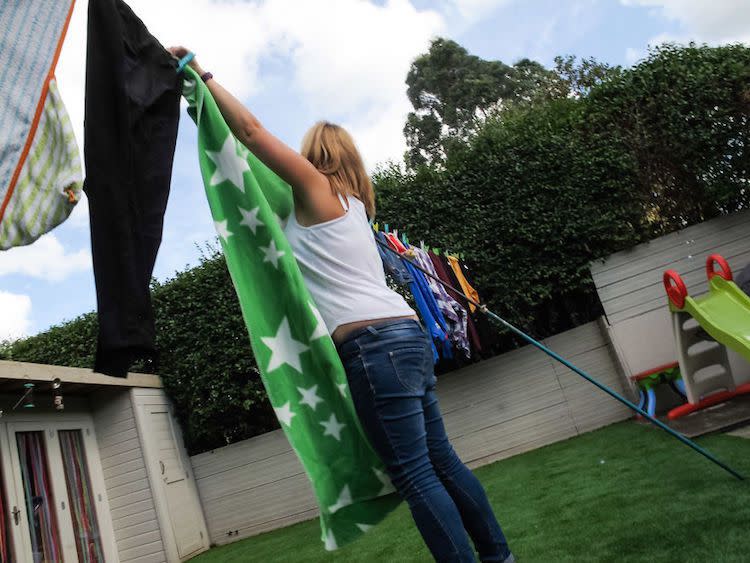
[724, 312]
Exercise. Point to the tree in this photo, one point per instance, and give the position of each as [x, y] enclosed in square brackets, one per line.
[452, 91]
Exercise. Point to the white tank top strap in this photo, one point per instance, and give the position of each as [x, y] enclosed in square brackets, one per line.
[344, 201]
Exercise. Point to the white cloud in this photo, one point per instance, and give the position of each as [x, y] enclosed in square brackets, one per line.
[45, 259]
[350, 62]
[713, 22]
[347, 58]
[471, 11]
[229, 34]
[14, 321]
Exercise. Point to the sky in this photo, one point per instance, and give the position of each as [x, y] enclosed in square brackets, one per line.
[293, 62]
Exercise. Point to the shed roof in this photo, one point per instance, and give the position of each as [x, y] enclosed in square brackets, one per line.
[75, 381]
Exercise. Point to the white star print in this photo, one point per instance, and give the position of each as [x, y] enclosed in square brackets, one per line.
[222, 228]
[342, 388]
[320, 328]
[387, 485]
[333, 427]
[364, 527]
[310, 396]
[271, 254]
[330, 541]
[284, 348]
[284, 413]
[250, 219]
[229, 165]
[345, 499]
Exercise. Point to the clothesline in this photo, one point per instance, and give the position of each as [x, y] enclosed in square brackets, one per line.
[471, 300]
[405, 239]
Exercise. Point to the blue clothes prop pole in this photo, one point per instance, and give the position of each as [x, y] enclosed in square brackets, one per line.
[612, 393]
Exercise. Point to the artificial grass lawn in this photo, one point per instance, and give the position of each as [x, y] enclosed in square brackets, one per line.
[627, 492]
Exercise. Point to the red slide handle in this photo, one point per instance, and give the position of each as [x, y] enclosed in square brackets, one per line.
[676, 289]
[711, 261]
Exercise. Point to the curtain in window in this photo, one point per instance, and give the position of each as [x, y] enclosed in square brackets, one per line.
[80, 497]
[45, 541]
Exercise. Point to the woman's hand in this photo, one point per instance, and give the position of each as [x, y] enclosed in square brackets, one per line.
[180, 52]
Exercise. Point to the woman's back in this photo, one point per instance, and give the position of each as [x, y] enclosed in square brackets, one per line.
[342, 268]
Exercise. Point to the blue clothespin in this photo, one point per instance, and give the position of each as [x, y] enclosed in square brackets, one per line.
[387, 230]
[183, 62]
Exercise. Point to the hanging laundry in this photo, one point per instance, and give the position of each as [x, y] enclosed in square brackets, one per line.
[299, 365]
[445, 273]
[40, 166]
[487, 334]
[467, 288]
[426, 304]
[455, 315]
[392, 264]
[132, 111]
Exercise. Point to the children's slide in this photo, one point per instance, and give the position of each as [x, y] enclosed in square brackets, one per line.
[724, 314]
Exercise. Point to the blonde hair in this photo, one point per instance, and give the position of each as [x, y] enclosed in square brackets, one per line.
[331, 149]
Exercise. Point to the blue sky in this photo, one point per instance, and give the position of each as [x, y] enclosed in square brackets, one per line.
[294, 62]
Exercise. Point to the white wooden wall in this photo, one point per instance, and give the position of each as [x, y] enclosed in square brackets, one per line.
[629, 283]
[131, 501]
[494, 409]
[630, 288]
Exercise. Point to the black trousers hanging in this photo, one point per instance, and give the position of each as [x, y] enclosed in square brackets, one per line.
[132, 111]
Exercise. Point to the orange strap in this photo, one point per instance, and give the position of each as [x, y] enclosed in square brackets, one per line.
[37, 114]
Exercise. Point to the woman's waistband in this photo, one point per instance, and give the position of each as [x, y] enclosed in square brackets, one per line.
[380, 327]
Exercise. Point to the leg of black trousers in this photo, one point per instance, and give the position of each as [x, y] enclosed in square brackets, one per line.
[132, 111]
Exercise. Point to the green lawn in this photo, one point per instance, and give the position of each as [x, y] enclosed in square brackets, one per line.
[623, 493]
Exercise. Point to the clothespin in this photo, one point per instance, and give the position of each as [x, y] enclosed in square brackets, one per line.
[421, 245]
[404, 238]
[386, 230]
[436, 251]
[395, 233]
[376, 227]
[183, 62]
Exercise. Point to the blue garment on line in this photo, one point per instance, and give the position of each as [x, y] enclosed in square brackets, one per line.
[392, 264]
[429, 310]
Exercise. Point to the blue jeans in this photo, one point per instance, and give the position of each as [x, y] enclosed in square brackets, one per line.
[391, 378]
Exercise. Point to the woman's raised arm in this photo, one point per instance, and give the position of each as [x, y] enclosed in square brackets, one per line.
[312, 192]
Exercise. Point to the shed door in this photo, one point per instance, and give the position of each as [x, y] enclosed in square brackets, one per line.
[181, 502]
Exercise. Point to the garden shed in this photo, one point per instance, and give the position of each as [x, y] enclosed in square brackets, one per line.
[105, 477]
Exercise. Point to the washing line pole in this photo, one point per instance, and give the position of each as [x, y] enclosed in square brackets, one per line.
[612, 393]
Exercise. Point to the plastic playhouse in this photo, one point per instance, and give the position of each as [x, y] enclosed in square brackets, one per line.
[704, 327]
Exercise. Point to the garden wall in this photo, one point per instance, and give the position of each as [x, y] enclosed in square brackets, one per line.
[493, 409]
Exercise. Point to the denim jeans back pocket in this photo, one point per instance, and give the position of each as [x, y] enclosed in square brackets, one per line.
[409, 366]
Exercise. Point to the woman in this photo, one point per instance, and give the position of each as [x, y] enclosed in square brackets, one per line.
[385, 351]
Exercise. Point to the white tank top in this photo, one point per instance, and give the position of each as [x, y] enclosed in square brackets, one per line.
[342, 269]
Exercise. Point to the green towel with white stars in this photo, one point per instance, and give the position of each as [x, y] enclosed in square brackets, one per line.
[298, 362]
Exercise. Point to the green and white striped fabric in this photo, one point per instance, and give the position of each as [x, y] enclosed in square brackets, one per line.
[49, 185]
